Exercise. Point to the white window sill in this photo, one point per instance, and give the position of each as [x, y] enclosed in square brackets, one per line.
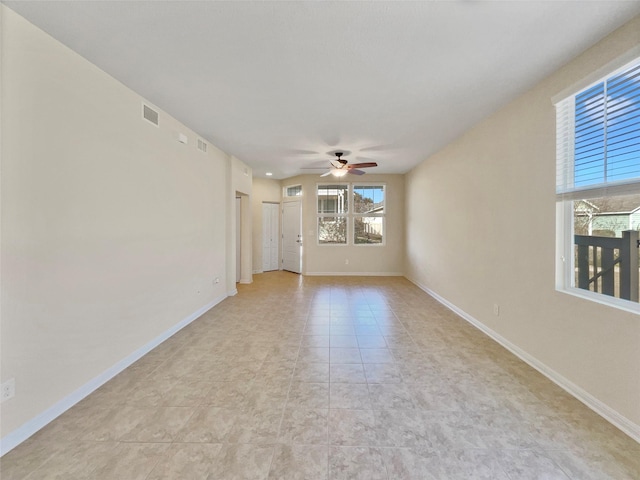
[614, 302]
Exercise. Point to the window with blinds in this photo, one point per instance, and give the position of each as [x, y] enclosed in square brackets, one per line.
[598, 190]
[598, 132]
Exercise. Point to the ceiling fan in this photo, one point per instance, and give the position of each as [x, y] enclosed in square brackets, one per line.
[340, 167]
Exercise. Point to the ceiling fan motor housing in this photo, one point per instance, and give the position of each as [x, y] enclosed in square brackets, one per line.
[341, 160]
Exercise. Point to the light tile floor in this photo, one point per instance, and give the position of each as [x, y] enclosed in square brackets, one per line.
[327, 378]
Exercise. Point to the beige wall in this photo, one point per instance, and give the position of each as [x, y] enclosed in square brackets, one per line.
[480, 230]
[112, 231]
[264, 190]
[363, 259]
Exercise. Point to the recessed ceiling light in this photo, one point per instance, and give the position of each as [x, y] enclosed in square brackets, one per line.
[269, 174]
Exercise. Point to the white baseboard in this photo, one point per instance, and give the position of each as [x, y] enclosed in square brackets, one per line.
[27, 429]
[354, 274]
[232, 293]
[602, 409]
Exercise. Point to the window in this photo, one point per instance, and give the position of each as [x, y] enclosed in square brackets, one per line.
[333, 205]
[598, 189]
[368, 214]
[363, 216]
[293, 191]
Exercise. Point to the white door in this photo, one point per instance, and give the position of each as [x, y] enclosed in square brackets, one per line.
[292, 236]
[270, 235]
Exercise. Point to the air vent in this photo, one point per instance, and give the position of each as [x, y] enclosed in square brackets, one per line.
[150, 114]
[202, 145]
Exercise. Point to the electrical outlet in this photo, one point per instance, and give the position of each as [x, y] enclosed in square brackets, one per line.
[8, 389]
[217, 280]
[496, 309]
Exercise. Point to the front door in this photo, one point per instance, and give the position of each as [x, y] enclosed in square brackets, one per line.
[292, 236]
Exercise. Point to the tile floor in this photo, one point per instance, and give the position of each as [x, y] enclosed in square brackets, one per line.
[327, 378]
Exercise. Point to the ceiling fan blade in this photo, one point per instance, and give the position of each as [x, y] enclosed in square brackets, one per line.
[297, 151]
[336, 163]
[362, 165]
[356, 172]
[325, 174]
[378, 148]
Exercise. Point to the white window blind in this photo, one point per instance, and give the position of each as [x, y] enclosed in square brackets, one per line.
[598, 138]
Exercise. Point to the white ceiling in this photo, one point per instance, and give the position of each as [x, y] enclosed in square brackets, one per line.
[282, 85]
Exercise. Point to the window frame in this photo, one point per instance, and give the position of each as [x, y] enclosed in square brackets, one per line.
[566, 196]
[383, 215]
[344, 215]
[285, 192]
[350, 214]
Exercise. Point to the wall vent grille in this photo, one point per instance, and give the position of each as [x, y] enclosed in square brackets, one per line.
[202, 145]
[150, 114]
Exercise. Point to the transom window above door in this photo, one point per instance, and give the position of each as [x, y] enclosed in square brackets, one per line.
[293, 191]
